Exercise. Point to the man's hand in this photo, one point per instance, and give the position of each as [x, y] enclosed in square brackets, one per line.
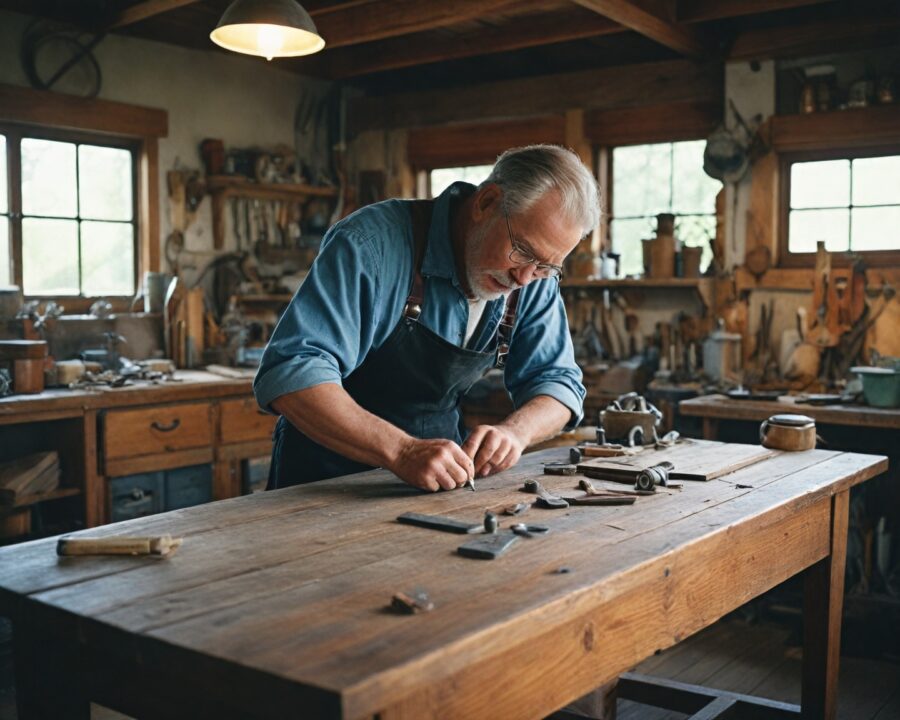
[433, 465]
[493, 448]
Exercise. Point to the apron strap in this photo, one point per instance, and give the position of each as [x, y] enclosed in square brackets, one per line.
[504, 331]
[420, 214]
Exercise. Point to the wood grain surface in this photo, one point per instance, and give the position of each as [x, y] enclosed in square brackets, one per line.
[281, 597]
[724, 408]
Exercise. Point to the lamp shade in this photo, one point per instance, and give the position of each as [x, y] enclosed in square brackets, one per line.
[268, 28]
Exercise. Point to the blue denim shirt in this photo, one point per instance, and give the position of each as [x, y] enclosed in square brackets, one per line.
[354, 296]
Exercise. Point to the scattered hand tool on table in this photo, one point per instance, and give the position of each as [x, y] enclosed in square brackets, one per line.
[439, 522]
[412, 603]
[545, 499]
[470, 483]
[559, 468]
[490, 522]
[516, 509]
[525, 530]
[488, 547]
[161, 546]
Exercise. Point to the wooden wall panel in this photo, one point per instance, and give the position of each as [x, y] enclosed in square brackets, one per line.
[653, 123]
[479, 143]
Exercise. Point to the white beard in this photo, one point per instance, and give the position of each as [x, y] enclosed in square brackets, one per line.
[476, 273]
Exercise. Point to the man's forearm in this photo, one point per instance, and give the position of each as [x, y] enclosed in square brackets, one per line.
[538, 419]
[329, 416]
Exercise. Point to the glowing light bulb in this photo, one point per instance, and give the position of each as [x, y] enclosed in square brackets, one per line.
[269, 40]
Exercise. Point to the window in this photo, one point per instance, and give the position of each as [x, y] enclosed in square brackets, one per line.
[444, 177]
[660, 178]
[852, 203]
[71, 222]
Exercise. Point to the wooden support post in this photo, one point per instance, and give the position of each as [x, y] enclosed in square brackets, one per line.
[710, 428]
[823, 597]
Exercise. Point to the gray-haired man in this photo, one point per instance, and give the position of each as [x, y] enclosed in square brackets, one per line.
[408, 304]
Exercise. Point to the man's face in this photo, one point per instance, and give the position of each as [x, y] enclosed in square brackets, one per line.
[542, 231]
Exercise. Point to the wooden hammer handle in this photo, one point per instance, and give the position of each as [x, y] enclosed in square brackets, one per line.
[162, 545]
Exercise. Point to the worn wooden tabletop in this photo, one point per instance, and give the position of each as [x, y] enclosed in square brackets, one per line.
[721, 407]
[280, 598]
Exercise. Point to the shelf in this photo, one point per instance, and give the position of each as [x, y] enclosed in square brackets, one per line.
[41, 497]
[852, 128]
[238, 186]
[702, 286]
[223, 187]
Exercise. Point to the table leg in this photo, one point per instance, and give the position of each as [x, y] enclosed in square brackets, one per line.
[710, 428]
[823, 598]
[47, 676]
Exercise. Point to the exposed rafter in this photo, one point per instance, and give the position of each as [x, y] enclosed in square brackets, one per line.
[144, 10]
[798, 40]
[355, 23]
[419, 50]
[701, 10]
[650, 23]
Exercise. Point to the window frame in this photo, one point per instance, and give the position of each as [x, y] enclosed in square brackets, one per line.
[109, 119]
[15, 133]
[790, 259]
[604, 154]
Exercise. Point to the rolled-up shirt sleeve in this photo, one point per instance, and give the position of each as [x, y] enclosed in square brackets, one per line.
[541, 359]
[330, 324]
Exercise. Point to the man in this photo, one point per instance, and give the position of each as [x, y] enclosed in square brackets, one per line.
[408, 304]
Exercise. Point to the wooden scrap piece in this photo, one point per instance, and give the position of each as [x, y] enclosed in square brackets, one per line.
[29, 475]
[162, 545]
[412, 603]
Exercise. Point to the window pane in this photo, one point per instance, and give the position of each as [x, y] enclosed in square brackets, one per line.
[697, 231]
[693, 191]
[809, 226]
[626, 238]
[876, 181]
[875, 228]
[444, 177]
[104, 181]
[5, 276]
[820, 184]
[4, 207]
[48, 178]
[107, 256]
[50, 257]
[641, 177]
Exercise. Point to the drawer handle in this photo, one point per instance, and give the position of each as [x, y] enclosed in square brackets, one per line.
[166, 428]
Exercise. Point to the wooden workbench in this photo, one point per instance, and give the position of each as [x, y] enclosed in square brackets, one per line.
[276, 604]
[715, 408]
[107, 432]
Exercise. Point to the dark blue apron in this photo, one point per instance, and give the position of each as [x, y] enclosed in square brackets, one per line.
[415, 381]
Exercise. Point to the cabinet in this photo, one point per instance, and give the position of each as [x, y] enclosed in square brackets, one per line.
[140, 449]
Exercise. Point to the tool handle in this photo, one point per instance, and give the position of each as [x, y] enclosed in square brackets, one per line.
[162, 545]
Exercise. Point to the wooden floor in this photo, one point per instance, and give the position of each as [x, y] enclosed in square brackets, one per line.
[758, 659]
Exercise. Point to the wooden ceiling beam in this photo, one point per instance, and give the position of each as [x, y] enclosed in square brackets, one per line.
[651, 22]
[144, 10]
[672, 81]
[421, 49]
[355, 23]
[838, 35]
[691, 11]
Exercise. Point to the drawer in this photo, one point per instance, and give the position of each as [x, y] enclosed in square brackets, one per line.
[242, 421]
[156, 430]
[188, 486]
[135, 496]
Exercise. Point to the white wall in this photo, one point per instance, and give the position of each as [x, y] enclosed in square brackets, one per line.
[241, 100]
[752, 89]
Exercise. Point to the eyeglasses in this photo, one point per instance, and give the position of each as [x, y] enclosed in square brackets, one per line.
[520, 256]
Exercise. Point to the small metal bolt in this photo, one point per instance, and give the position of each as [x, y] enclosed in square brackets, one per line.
[490, 522]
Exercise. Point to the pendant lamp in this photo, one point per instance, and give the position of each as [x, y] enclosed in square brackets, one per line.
[268, 28]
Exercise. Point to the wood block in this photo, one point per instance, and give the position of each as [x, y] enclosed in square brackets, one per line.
[34, 473]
